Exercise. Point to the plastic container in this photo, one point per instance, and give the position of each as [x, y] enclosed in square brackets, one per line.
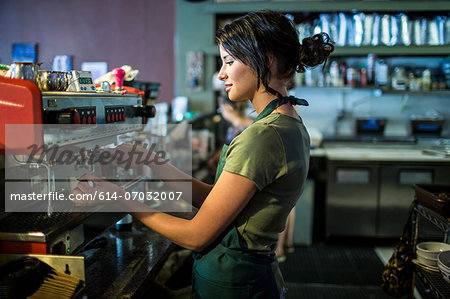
[399, 80]
[381, 73]
[426, 80]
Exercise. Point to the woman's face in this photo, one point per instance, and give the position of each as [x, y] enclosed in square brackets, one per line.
[240, 80]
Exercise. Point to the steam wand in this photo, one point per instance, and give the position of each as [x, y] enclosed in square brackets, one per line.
[49, 178]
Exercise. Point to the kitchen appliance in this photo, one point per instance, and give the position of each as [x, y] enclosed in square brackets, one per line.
[96, 120]
[371, 198]
[61, 233]
[370, 126]
[426, 127]
[428, 124]
[368, 192]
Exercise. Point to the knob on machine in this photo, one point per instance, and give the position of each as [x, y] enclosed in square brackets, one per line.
[146, 111]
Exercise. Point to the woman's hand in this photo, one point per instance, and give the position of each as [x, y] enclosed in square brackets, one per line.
[132, 155]
[92, 191]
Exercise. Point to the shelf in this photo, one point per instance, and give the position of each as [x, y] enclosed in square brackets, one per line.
[323, 6]
[439, 221]
[436, 283]
[433, 280]
[379, 91]
[443, 50]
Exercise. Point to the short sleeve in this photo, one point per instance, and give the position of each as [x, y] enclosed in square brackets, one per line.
[258, 154]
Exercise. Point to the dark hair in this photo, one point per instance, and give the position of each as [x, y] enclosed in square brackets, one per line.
[255, 37]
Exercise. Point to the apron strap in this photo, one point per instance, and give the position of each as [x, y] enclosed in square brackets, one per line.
[266, 111]
[278, 102]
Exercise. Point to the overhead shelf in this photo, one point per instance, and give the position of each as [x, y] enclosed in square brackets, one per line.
[444, 50]
[338, 6]
[322, 6]
[377, 90]
[393, 50]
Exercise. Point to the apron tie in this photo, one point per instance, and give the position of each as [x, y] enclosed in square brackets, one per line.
[294, 101]
[278, 102]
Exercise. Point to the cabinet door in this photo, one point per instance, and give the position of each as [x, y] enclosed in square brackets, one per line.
[352, 192]
[396, 193]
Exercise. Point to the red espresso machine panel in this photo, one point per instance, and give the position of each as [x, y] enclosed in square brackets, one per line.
[21, 102]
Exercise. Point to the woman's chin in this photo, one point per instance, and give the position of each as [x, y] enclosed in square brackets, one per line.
[235, 99]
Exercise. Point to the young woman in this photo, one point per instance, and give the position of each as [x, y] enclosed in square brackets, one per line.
[261, 173]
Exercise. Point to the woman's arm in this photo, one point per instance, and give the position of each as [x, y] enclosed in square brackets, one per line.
[200, 190]
[226, 200]
[161, 169]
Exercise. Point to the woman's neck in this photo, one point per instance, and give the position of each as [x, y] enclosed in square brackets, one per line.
[262, 97]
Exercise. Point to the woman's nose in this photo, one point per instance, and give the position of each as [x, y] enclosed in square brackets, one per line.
[221, 76]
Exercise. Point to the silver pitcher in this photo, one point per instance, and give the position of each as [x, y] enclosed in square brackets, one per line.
[52, 81]
[25, 70]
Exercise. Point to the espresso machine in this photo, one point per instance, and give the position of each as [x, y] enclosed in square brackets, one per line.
[34, 121]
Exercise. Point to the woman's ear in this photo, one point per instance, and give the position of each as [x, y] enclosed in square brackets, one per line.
[272, 64]
[270, 60]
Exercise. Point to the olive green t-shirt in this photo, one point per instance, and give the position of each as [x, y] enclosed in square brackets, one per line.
[274, 153]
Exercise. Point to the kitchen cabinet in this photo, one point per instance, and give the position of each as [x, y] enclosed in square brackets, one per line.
[371, 198]
[352, 198]
[395, 193]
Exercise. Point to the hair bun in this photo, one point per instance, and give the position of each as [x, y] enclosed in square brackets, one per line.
[314, 50]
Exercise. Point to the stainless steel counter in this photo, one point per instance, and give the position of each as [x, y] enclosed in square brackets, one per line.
[405, 149]
[369, 185]
[382, 153]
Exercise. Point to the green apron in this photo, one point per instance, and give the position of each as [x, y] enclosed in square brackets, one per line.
[227, 270]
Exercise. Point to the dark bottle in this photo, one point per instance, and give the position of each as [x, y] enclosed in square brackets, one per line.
[343, 71]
